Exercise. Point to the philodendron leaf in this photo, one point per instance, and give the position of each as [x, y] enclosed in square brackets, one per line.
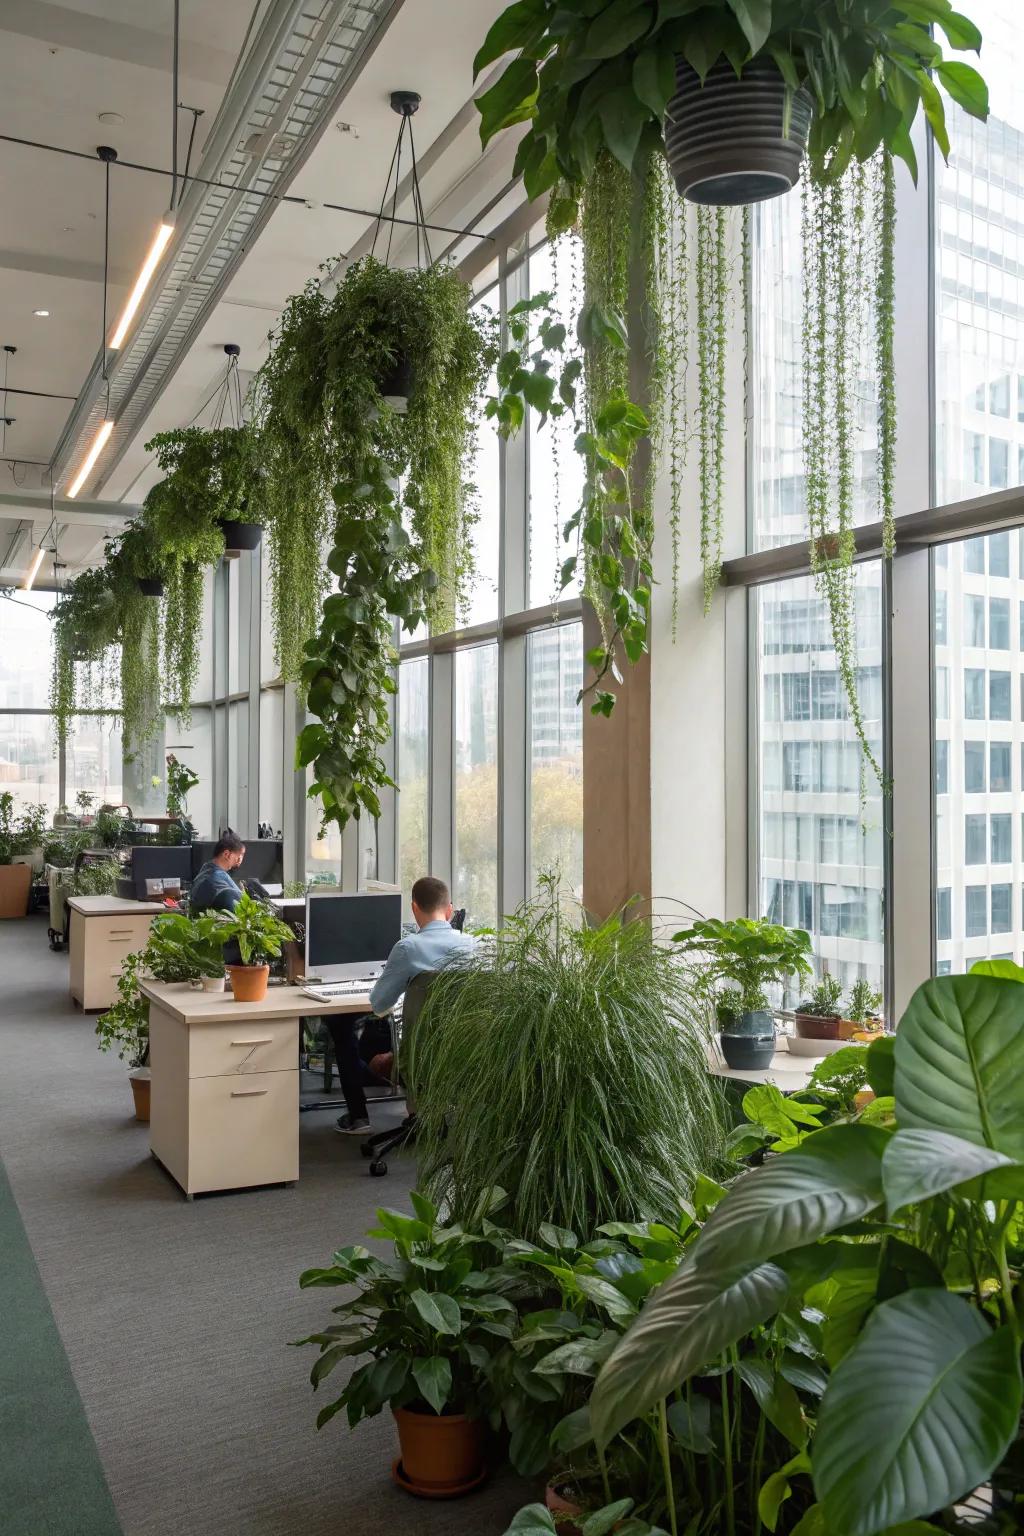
[951, 1387]
[433, 1376]
[439, 1312]
[832, 1178]
[687, 1322]
[880, 1065]
[918, 1164]
[960, 1061]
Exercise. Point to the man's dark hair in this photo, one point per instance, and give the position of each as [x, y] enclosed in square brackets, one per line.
[228, 842]
[430, 894]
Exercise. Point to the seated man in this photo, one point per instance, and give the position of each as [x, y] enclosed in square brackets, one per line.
[214, 887]
[435, 946]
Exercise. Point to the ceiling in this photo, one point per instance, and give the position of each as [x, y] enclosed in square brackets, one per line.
[61, 66]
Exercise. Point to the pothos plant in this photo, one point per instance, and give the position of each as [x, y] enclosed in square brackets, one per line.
[320, 402]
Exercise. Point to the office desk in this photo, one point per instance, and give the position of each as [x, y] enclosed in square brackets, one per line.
[224, 1108]
[788, 1073]
[102, 932]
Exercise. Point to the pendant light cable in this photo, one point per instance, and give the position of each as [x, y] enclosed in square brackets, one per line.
[174, 108]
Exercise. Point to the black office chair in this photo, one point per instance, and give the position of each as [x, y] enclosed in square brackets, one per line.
[377, 1147]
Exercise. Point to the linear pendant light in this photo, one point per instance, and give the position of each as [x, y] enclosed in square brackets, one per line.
[145, 277]
[90, 459]
[33, 570]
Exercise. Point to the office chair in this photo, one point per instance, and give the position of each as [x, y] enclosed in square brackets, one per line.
[377, 1147]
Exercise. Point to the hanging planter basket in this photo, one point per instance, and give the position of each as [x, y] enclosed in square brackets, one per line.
[240, 536]
[151, 586]
[732, 141]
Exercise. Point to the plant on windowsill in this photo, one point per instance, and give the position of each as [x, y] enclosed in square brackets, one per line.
[741, 957]
[260, 935]
[430, 1320]
[21, 837]
[820, 1017]
[126, 1027]
[862, 1015]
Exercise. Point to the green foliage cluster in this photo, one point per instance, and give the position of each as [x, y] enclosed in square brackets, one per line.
[184, 948]
[319, 403]
[21, 832]
[180, 780]
[98, 878]
[597, 75]
[256, 928]
[747, 955]
[126, 1025]
[576, 1057]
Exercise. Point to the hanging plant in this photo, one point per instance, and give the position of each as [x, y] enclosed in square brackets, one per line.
[319, 402]
[138, 628]
[591, 77]
[85, 634]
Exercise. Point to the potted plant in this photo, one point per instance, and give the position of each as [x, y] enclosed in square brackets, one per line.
[182, 948]
[126, 1026]
[735, 88]
[863, 1020]
[180, 779]
[429, 1322]
[820, 1017]
[21, 835]
[259, 934]
[740, 958]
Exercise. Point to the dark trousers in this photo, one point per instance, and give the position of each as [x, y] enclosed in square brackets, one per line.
[356, 1041]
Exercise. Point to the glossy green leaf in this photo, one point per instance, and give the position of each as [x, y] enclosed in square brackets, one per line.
[433, 1376]
[690, 1423]
[617, 27]
[832, 1178]
[965, 85]
[951, 1387]
[881, 1065]
[521, 25]
[755, 17]
[960, 1061]
[511, 99]
[438, 1311]
[622, 120]
[654, 79]
[686, 1323]
[921, 1163]
[1006, 970]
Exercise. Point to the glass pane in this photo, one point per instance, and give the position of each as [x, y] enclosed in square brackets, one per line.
[476, 783]
[272, 750]
[821, 843]
[486, 477]
[234, 683]
[978, 740]
[556, 470]
[195, 747]
[28, 762]
[25, 651]
[980, 275]
[555, 660]
[94, 763]
[413, 773]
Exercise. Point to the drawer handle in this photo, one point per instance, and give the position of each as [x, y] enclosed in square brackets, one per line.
[267, 1040]
[247, 1093]
[121, 933]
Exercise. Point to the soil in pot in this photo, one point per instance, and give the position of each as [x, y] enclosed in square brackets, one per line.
[15, 884]
[813, 1026]
[249, 982]
[140, 1092]
[731, 141]
[442, 1453]
[748, 1053]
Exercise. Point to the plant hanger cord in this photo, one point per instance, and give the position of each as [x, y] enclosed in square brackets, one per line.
[405, 103]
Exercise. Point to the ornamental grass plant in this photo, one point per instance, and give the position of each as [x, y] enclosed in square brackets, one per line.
[566, 1064]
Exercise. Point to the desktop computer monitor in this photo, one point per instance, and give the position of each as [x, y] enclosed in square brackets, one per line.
[350, 936]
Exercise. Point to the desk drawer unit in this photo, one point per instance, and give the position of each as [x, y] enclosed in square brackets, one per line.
[240, 1048]
[243, 1130]
[98, 948]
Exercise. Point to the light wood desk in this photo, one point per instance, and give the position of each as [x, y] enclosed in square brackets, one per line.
[224, 1108]
[102, 932]
[788, 1073]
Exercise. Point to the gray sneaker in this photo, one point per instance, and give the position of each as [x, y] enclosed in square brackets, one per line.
[352, 1125]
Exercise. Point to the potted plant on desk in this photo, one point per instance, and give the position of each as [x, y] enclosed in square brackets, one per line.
[741, 957]
[260, 935]
[20, 836]
[188, 949]
[126, 1026]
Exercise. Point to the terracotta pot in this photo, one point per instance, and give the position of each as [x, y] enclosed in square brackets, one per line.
[811, 1026]
[442, 1453]
[15, 882]
[249, 982]
[140, 1093]
[561, 1503]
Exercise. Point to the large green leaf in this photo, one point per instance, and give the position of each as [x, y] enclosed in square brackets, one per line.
[965, 85]
[949, 1388]
[919, 1163]
[439, 1312]
[960, 1061]
[687, 1322]
[755, 17]
[433, 1376]
[832, 1178]
[520, 26]
[880, 1065]
[616, 28]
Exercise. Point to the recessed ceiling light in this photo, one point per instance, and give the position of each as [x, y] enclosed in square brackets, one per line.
[113, 118]
[41, 314]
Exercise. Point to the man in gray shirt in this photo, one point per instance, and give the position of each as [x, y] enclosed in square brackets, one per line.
[434, 946]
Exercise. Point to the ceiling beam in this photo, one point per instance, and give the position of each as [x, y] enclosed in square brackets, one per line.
[80, 512]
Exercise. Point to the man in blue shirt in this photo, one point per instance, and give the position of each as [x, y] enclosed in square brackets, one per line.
[214, 886]
[434, 946]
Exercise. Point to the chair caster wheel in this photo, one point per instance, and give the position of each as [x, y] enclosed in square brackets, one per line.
[378, 1168]
[366, 1148]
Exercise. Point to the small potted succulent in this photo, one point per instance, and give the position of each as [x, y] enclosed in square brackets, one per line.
[741, 957]
[429, 1320]
[820, 1017]
[260, 935]
[126, 1026]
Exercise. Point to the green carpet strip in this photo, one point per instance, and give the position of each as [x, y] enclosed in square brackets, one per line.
[51, 1479]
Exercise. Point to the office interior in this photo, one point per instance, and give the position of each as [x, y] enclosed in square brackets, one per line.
[418, 465]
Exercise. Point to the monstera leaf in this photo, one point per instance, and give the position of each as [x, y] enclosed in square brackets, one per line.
[960, 1061]
[948, 1386]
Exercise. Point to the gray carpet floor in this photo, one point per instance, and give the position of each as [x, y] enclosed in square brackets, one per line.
[176, 1316]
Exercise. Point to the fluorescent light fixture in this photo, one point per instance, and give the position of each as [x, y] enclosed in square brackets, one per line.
[90, 459]
[149, 266]
[33, 570]
[41, 314]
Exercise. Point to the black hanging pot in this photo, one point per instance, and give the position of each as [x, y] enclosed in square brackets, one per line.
[396, 384]
[730, 140]
[150, 586]
[240, 536]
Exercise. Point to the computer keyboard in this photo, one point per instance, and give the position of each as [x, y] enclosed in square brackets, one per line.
[339, 989]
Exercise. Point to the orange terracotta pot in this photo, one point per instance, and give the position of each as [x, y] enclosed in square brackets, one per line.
[442, 1453]
[15, 881]
[140, 1093]
[561, 1504]
[249, 982]
[813, 1026]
